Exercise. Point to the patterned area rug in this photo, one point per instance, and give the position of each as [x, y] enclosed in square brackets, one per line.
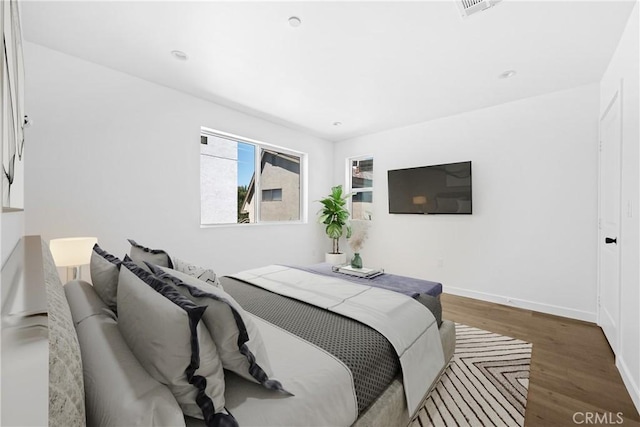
[485, 384]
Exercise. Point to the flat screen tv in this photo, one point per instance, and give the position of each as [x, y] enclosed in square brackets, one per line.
[437, 189]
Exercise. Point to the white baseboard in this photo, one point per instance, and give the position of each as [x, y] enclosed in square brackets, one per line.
[629, 382]
[529, 305]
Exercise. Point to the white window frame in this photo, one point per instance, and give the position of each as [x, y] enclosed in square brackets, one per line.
[350, 190]
[205, 131]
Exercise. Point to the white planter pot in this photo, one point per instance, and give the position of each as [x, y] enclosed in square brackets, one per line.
[335, 259]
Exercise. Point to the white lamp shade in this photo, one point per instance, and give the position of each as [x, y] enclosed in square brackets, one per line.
[72, 251]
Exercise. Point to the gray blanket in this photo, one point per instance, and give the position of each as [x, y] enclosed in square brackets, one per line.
[405, 285]
[424, 291]
[370, 357]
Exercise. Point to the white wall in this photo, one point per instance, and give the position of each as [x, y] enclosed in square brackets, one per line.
[625, 66]
[531, 240]
[116, 157]
[11, 221]
[12, 224]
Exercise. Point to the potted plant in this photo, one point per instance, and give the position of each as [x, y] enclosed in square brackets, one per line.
[335, 216]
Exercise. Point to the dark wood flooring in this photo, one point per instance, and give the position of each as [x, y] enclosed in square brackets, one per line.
[572, 365]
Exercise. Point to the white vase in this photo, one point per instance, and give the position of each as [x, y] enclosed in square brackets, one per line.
[335, 259]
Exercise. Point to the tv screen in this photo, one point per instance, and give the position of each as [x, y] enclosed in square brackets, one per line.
[438, 189]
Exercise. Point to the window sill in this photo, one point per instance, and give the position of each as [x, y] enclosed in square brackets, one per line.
[254, 224]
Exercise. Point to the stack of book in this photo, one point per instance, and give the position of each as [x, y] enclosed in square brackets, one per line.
[366, 273]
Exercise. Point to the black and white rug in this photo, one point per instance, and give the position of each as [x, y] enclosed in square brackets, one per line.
[485, 384]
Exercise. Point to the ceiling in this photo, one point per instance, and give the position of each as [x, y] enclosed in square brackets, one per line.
[369, 65]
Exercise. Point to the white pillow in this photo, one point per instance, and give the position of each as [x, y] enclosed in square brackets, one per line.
[164, 331]
[237, 338]
[204, 274]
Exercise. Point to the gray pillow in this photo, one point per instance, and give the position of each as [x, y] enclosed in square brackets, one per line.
[118, 390]
[204, 274]
[165, 332]
[141, 254]
[238, 340]
[85, 302]
[105, 269]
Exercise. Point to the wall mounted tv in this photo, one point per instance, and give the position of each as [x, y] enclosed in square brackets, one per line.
[437, 189]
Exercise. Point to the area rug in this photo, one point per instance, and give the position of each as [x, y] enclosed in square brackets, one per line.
[485, 384]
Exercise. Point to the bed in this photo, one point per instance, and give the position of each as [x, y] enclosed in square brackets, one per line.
[328, 379]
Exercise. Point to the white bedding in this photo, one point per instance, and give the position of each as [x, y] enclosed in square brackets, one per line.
[322, 385]
[408, 325]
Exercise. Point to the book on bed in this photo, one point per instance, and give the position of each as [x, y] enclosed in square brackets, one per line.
[367, 273]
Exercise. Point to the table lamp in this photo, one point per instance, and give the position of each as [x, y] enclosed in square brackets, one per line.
[73, 253]
[420, 201]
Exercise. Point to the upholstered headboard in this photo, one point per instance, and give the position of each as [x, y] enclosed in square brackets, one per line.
[41, 364]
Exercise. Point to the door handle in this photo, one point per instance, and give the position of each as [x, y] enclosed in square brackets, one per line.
[609, 240]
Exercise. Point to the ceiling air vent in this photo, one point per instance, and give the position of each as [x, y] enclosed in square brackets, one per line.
[469, 7]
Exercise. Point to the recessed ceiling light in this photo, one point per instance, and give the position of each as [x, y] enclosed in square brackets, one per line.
[337, 123]
[294, 21]
[178, 54]
[507, 74]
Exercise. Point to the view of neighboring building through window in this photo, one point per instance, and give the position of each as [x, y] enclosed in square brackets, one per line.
[280, 183]
[361, 187]
[232, 192]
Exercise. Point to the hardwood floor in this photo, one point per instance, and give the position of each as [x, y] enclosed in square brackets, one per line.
[572, 365]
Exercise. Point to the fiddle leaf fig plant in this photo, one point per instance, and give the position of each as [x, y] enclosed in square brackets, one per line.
[335, 215]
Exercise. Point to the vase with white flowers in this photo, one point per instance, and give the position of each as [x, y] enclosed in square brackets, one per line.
[359, 233]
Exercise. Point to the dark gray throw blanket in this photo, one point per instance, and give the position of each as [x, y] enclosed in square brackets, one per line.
[370, 357]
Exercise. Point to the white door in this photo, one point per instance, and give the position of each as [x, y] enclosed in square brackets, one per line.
[609, 223]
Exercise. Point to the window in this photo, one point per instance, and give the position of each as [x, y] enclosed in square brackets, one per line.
[231, 192]
[274, 195]
[360, 184]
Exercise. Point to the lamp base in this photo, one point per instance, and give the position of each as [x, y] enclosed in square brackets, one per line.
[73, 273]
